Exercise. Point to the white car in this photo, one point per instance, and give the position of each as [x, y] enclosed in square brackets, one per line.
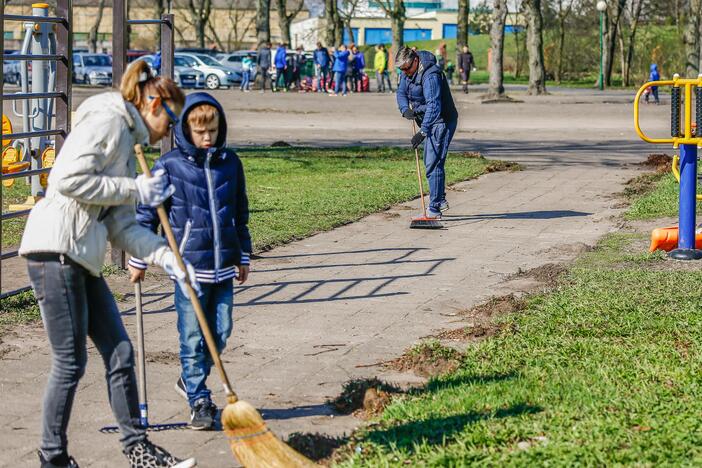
[183, 75]
[216, 74]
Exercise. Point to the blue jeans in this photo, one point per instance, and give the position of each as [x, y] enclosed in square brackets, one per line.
[436, 148]
[195, 360]
[322, 77]
[245, 80]
[339, 82]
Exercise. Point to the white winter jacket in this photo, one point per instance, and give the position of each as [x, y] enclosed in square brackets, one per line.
[91, 194]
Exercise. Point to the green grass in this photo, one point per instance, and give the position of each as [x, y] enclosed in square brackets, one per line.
[18, 310]
[295, 192]
[602, 371]
[660, 200]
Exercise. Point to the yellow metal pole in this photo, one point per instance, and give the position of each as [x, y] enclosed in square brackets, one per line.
[688, 110]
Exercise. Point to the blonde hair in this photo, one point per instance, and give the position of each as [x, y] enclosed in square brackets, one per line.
[202, 115]
[138, 82]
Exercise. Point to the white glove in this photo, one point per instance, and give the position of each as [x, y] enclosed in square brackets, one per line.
[170, 266]
[154, 190]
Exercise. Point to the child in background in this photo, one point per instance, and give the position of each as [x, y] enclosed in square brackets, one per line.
[450, 69]
[246, 71]
[654, 76]
[209, 213]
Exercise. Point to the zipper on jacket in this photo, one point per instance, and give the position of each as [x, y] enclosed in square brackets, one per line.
[186, 236]
[213, 213]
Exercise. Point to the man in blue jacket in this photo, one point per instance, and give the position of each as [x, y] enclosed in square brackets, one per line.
[209, 213]
[424, 96]
[359, 64]
[341, 64]
[281, 66]
[321, 67]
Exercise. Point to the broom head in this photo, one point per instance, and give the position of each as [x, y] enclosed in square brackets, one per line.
[253, 444]
[423, 222]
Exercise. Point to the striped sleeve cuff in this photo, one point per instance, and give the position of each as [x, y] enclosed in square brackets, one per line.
[245, 258]
[137, 263]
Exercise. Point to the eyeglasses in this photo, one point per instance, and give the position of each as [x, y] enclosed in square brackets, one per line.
[171, 115]
[408, 67]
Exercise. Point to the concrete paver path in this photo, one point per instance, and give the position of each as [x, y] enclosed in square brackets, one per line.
[317, 309]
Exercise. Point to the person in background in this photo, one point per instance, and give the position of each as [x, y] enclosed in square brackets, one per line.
[321, 60]
[247, 69]
[359, 64]
[264, 64]
[341, 66]
[281, 65]
[450, 69]
[654, 75]
[380, 63]
[465, 65]
[440, 60]
[298, 61]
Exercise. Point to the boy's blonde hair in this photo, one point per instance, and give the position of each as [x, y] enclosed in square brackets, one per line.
[202, 114]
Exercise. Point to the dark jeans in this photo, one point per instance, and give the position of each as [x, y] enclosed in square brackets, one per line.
[339, 82]
[380, 78]
[75, 305]
[281, 80]
[196, 362]
[265, 76]
[435, 150]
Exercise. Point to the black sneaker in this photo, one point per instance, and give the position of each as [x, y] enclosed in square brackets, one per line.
[180, 388]
[202, 415]
[58, 461]
[147, 455]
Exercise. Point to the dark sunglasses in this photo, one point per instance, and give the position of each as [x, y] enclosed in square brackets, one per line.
[171, 115]
[407, 68]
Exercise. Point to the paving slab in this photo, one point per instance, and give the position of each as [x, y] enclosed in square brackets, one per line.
[321, 311]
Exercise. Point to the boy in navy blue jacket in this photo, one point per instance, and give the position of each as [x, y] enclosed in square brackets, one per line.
[209, 212]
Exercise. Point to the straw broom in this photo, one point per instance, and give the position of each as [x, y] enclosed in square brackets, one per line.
[253, 444]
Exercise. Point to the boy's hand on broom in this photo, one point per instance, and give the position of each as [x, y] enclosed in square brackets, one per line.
[136, 274]
[243, 274]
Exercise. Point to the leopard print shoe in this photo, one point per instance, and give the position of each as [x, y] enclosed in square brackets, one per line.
[147, 455]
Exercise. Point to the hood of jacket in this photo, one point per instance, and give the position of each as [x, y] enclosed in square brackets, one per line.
[654, 68]
[183, 142]
[115, 104]
[427, 64]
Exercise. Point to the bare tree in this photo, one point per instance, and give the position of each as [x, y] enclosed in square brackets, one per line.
[395, 10]
[613, 16]
[200, 11]
[535, 47]
[627, 40]
[334, 23]
[159, 9]
[691, 37]
[240, 24]
[565, 7]
[263, 22]
[347, 13]
[462, 24]
[93, 35]
[285, 18]
[496, 88]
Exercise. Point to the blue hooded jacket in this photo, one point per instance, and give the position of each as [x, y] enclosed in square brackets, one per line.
[209, 210]
[279, 60]
[654, 75]
[321, 57]
[341, 61]
[359, 61]
[427, 93]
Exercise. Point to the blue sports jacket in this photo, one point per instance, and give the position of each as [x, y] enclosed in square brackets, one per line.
[209, 210]
[279, 60]
[427, 93]
[341, 62]
[359, 61]
[321, 57]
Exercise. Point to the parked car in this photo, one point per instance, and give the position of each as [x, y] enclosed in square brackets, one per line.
[11, 69]
[183, 75]
[198, 50]
[94, 69]
[133, 54]
[216, 74]
[234, 59]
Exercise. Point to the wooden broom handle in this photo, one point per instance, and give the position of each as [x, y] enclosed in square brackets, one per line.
[209, 339]
[419, 172]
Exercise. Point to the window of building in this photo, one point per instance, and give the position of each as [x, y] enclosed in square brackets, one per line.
[417, 35]
[374, 36]
[347, 37]
[449, 31]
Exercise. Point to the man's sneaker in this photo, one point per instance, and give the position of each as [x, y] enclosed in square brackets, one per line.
[444, 205]
[59, 461]
[180, 388]
[202, 415]
[147, 455]
[431, 214]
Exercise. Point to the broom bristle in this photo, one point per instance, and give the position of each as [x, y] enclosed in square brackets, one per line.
[253, 444]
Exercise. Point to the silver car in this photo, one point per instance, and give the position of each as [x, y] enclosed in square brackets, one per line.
[183, 75]
[94, 69]
[216, 74]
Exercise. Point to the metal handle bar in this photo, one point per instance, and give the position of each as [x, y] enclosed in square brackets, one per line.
[35, 19]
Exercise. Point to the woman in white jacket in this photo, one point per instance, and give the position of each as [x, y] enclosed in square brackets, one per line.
[90, 200]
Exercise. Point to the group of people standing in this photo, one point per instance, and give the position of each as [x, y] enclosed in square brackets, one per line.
[340, 70]
[281, 69]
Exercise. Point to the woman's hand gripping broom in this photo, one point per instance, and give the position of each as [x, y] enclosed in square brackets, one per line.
[253, 444]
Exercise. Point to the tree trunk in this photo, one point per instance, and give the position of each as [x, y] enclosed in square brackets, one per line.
[535, 48]
[158, 12]
[330, 33]
[93, 35]
[636, 15]
[518, 54]
[338, 27]
[613, 18]
[497, 39]
[462, 25]
[263, 22]
[398, 28]
[691, 37]
[283, 21]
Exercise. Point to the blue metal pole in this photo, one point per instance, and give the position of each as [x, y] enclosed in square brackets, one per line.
[688, 196]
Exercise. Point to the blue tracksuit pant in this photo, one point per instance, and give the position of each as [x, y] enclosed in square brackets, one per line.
[436, 148]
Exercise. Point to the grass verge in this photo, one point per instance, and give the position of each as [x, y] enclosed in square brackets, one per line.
[296, 192]
[19, 309]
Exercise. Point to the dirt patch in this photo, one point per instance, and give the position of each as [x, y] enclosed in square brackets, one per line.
[317, 447]
[659, 162]
[163, 357]
[641, 185]
[502, 166]
[428, 359]
[549, 274]
[364, 398]
[471, 333]
[390, 215]
[499, 305]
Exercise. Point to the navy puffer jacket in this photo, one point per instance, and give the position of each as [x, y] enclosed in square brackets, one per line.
[209, 210]
[427, 93]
